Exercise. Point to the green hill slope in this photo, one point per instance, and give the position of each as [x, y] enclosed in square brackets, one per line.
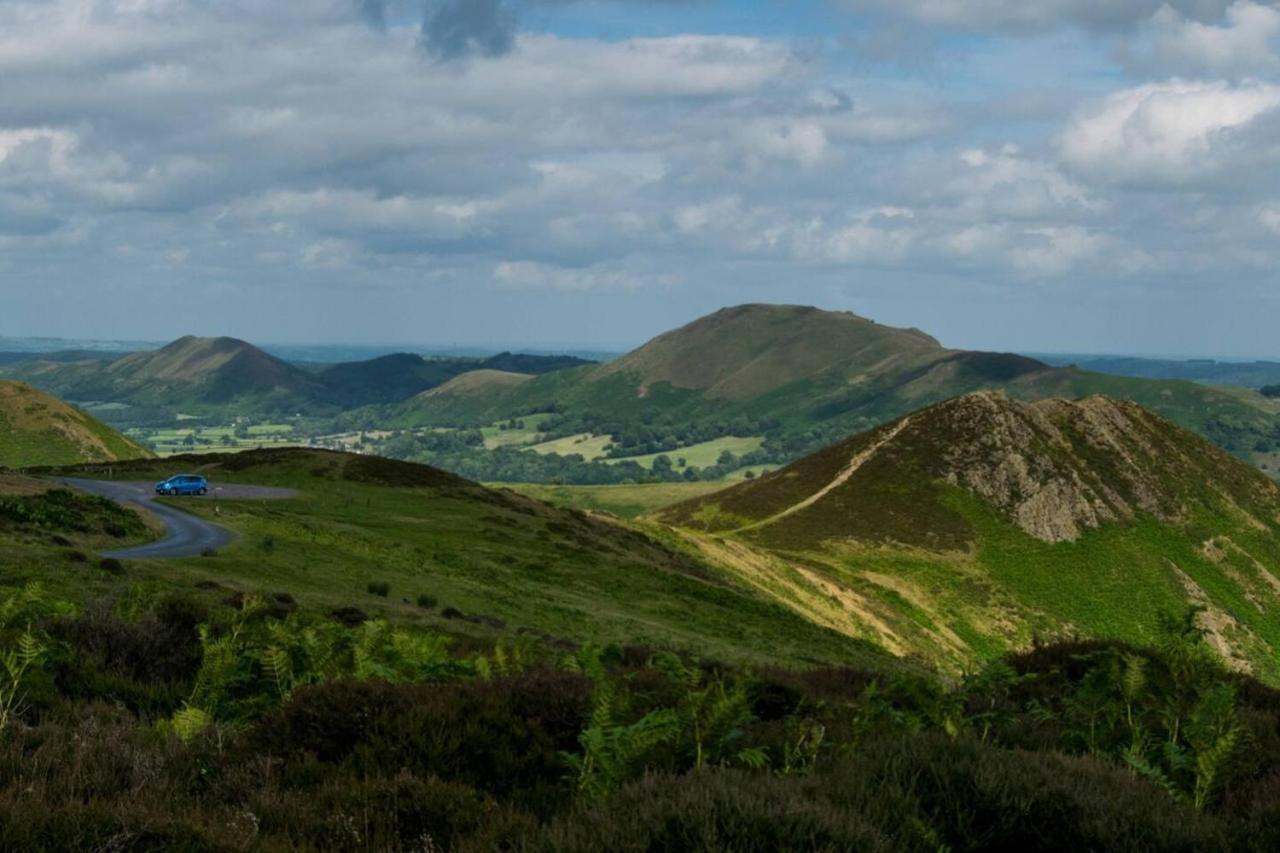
[974, 525]
[490, 560]
[37, 429]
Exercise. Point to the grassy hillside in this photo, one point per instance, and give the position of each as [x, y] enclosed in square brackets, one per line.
[495, 556]
[38, 429]
[976, 524]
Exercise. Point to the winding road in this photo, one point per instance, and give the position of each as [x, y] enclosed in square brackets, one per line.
[185, 534]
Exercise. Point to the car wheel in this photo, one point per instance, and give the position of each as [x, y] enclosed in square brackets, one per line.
[204, 491]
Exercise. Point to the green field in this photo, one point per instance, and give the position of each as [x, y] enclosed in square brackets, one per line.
[700, 455]
[219, 439]
[586, 445]
[526, 432]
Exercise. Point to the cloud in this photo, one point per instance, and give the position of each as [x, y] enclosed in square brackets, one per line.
[1040, 15]
[304, 153]
[453, 29]
[531, 275]
[1246, 42]
[456, 28]
[1176, 134]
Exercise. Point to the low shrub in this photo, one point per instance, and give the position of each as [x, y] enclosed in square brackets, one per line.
[503, 736]
[379, 588]
[349, 617]
[143, 663]
[427, 601]
[111, 566]
[903, 793]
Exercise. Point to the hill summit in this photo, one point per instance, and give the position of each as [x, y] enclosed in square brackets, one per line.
[222, 368]
[39, 429]
[1055, 468]
[986, 520]
[190, 372]
[747, 350]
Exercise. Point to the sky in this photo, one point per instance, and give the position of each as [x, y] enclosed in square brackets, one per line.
[1058, 175]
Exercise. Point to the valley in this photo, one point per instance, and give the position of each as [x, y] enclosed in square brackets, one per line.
[764, 384]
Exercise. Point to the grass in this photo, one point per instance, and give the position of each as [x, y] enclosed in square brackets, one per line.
[483, 553]
[585, 444]
[629, 501]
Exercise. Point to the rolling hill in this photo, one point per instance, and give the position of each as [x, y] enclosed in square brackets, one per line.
[38, 429]
[984, 521]
[192, 373]
[227, 377]
[803, 377]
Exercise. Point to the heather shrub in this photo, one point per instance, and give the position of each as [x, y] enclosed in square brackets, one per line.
[912, 793]
[145, 663]
[503, 736]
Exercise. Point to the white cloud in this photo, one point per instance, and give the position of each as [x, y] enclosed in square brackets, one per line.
[1007, 184]
[1269, 216]
[540, 276]
[1244, 43]
[1178, 133]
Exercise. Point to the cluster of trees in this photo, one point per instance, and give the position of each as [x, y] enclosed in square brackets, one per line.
[170, 724]
[427, 446]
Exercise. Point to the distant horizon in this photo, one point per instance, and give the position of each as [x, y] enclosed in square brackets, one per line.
[481, 349]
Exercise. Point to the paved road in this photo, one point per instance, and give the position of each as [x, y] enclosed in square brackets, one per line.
[185, 535]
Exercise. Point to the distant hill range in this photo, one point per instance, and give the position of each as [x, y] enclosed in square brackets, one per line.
[982, 521]
[1246, 374]
[233, 377]
[39, 429]
[796, 371]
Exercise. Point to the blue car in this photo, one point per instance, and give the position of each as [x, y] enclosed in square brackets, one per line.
[183, 484]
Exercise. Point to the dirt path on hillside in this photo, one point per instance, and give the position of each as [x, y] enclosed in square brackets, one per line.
[843, 477]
